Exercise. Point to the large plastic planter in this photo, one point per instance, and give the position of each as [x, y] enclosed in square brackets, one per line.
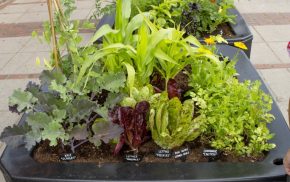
[18, 165]
[240, 28]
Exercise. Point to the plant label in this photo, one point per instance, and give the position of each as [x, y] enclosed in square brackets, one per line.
[67, 157]
[210, 153]
[132, 158]
[163, 153]
[181, 153]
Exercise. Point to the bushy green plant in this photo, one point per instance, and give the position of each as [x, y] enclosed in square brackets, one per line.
[143, 6]
[236, 113]
[197, 17]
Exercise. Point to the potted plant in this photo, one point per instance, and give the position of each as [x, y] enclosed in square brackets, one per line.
[145, 95]
[198, 18]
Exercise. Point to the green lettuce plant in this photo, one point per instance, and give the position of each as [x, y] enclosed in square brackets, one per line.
[171, 122]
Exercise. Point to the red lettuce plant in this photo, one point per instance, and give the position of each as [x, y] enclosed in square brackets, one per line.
[133, 121]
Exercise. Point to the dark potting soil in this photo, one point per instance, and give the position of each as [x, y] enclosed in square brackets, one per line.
[224, 29]
[88, 153]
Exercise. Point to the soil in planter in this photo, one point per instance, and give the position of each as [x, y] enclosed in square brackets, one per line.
[225, 29]
[43, 153]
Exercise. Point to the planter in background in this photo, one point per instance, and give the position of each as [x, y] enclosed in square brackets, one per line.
[18, 165]
[240, 29]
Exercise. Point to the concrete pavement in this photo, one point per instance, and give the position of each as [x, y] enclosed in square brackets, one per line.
[268, 20]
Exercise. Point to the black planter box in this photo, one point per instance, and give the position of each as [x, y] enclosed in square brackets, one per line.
[240, 29]
[18, 165]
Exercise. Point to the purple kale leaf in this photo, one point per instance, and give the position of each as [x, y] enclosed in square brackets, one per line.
[105, 131]
[133, 121]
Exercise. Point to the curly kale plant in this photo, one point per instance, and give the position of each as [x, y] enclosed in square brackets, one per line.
[60, 115]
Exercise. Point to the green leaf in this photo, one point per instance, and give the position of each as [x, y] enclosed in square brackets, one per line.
[131, 76]
[105, 131]
[59, 115]
[13, 135]
[54, 132]
[38, 120]
[79, 109]
[88, 25]
[23, 100]
[113, 99]
[105, 29]
[79, 132]
[163, 56]
[32, 138]
[46, 77]
[113, 81]
[62, 90]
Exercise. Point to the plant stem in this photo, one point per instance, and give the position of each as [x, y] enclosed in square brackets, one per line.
[72, 147]
[82, 142]
[55, 49]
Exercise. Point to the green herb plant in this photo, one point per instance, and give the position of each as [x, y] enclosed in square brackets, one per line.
[236, 113]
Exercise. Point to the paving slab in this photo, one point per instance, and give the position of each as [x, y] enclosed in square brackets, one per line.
[38, 7]
[10, 18]
[85, 4]
[26, 63]
[256, 37]
[13, 9]
[8, 119]
[280, 50]
[278, 82]
[274, 33]
[33, 17]
[261, 53]
[262, 6]
[13, 44]
[34, 45]
[81, 14]
[5, 58]
[28, 1]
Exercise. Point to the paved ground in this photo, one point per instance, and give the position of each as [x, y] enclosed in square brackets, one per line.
[269, 21]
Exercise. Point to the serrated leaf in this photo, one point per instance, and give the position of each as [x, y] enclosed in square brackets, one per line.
[46, 77]
[13, 135]
[23, 100]
[32, 138]
[38, 120]
[59, 115]
[103, 112]
[62, 90]
[53, 132]
[113, 81]
[79, 109]
[105, 131]
[79, 132]
[113, 99]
